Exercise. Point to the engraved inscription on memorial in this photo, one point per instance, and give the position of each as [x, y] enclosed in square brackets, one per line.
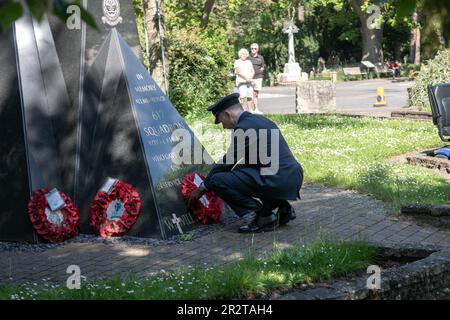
[132, 106]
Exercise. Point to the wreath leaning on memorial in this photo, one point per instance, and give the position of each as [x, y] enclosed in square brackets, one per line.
[53, 226]
[208, 208]
[113, 214]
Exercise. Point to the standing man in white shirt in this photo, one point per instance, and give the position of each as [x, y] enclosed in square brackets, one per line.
[244, 77]
[259, 66]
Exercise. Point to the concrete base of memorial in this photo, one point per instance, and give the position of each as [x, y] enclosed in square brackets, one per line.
[291, 73]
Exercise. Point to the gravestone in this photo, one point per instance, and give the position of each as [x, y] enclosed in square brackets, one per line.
[127, 124]
[34, 123]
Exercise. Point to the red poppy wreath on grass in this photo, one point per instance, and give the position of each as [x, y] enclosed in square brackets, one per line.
[53, 226]
[208, 208]
[113, 214]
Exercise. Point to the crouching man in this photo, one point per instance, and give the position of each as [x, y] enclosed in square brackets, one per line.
[259, 172]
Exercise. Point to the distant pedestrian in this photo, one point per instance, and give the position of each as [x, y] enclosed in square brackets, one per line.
[395, 69]
[259, 66]
[244, 77]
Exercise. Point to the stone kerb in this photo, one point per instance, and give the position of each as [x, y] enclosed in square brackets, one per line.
[426, 159]
[315, 97]
[427, 278]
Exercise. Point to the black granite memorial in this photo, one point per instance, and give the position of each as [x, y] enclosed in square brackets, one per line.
[77, 106]
[78, 47]
[42, 68]
[126, 133]
[33, 114]
[14, 224]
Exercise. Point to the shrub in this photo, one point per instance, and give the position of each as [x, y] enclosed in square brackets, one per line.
[436, 71]
[199, 66]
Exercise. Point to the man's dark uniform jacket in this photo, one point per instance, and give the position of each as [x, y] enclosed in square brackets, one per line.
[283, 185]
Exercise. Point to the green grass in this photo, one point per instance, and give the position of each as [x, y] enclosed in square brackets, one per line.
[248, 278]
[353, 153]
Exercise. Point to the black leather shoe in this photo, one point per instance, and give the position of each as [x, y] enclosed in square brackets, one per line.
[286, 214]
[260, 224]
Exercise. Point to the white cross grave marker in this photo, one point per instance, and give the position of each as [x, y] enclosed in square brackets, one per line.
[290, 29]
[176, 221]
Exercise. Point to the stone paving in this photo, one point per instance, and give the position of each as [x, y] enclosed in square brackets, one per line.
[335, 213]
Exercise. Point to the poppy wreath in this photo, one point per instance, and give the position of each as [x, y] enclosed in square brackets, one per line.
[206, 215]
[124, 194]
[53, 232]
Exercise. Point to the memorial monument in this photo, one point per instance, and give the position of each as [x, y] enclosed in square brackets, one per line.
[292, 71]
[77, 106]
[36, 150]
[126, 133]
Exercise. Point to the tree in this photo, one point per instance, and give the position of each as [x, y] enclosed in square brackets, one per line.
[435, 34]
[206, 12]
[414, 48]
[371, 34]
[154, 25]
[337, 32]
[11, 10]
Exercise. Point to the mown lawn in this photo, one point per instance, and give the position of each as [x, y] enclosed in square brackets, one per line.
[251, 277]
[353, 153]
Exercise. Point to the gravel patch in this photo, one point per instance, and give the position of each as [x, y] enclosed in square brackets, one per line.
[199, 231]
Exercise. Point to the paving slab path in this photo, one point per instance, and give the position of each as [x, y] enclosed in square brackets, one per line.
[335, 213]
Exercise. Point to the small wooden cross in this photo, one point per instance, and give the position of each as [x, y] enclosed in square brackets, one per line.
[176, 220]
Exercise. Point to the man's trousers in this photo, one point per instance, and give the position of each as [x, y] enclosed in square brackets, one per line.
[239, 191]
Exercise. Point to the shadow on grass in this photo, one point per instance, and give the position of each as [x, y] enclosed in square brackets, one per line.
[388, 186]
[395, 186]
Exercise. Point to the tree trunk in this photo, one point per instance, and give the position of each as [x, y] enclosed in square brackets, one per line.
[371, 35]
[414, 48]
[417, 51]
[157, 59]
[206, 12]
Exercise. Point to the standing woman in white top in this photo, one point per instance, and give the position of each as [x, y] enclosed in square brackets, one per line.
[244, 75]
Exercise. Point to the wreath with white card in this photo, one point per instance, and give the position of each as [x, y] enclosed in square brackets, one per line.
[53, 215]
[115, 209]
[208, 208]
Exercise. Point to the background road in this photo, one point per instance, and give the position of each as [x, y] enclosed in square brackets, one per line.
[352, 97]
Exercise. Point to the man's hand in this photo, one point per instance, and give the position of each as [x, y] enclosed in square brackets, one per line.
[195, 195]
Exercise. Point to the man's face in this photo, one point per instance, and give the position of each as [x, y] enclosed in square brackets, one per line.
[225, 118]
[254, 50]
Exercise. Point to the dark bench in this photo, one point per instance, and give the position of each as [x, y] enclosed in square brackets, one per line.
[353, 71]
